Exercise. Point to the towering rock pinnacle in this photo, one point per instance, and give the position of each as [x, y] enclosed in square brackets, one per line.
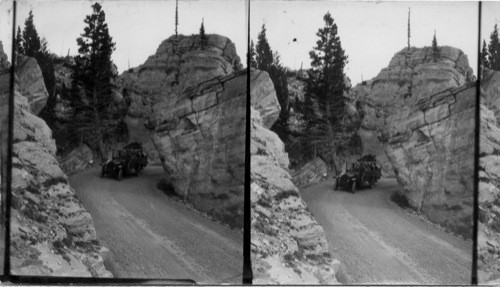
[191, 103]
[420, 112]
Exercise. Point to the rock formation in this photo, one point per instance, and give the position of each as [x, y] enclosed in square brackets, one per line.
[488, 241]
[51, 233]
[312, 172]
[192, 101]
[288, 245]
[31, 83]
[421, 113]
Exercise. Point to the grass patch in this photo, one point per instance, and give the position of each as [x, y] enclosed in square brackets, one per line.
[54, 180]
[285, 194]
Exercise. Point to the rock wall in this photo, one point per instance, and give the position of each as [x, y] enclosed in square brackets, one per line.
[488, 241]
[31, 83]
[313, 171]
[51, 233]
[421, 111]
[192, 102]
[288, 245]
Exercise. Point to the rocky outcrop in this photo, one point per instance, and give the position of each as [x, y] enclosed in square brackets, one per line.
[79, 159]
[313, 171]
[488, 241]
[420, 111]
[51, 233]
[192, 102]
[31, 83]
[288, 245]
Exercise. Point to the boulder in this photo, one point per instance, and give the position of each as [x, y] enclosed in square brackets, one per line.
[187, 106]
[79, 159]
[288, 245]
[51, 234]
[31, 83]
[420, 112]
[313, 171]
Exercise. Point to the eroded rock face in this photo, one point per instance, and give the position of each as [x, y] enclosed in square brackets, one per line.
[488, 241]
[313, 171]
[31, 83]
[193, 104]
[288, 245]
[79, 159]
[51, 233]
[421, 113]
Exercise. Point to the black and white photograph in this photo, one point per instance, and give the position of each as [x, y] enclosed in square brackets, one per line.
[488, 238]
[128, 147]
[363, 141]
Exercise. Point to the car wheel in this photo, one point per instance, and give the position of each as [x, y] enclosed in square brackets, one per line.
[120, 174]
[102, 172]
[353, 187]
[335, 184]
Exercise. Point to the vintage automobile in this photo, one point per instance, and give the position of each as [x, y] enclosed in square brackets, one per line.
[130, 160]
[365, 172]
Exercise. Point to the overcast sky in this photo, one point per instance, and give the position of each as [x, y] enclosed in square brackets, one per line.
[137, 27]
[490, 17]
[370, 32]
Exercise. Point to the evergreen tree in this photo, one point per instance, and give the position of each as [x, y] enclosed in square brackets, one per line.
[31, 41]
[484, 56]
[326, 89]
[434, 46]
[494, 50]
[252, 54]
[203, 37]
[92, 101]
[409, 28]
[19, 41]
[268, 61]
[176, 16]
[264, 54]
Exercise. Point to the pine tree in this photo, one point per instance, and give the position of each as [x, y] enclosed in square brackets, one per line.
[93, 82]
[409, 28]
[264, 54]
[268, 61]
[19, 41]
[434, 46]
[31, 40]
[176, 16]
[203, 37]
[494, 50]
[326, 88]
[252, 54]
[484, 56]
[30, 44]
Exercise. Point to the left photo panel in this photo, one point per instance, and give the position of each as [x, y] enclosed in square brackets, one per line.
[128, 154]
[6, 20]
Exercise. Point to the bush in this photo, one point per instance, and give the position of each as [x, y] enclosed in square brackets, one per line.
[166, 187]
[400, 200]
[285, 194]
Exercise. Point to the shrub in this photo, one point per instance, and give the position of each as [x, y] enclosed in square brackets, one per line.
[285, 194]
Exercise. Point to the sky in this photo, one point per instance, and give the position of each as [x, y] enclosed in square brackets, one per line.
[370, 32]
[136, 28]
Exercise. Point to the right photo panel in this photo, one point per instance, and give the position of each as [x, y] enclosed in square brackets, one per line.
[488, 240]
[363, 142]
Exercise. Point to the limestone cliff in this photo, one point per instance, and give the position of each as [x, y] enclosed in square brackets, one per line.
[420, 112]
[187, 106]
[488, 241]
[288, 245]
[51, 233]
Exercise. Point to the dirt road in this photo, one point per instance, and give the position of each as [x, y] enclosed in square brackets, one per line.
[150, 236]
[377, 242]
